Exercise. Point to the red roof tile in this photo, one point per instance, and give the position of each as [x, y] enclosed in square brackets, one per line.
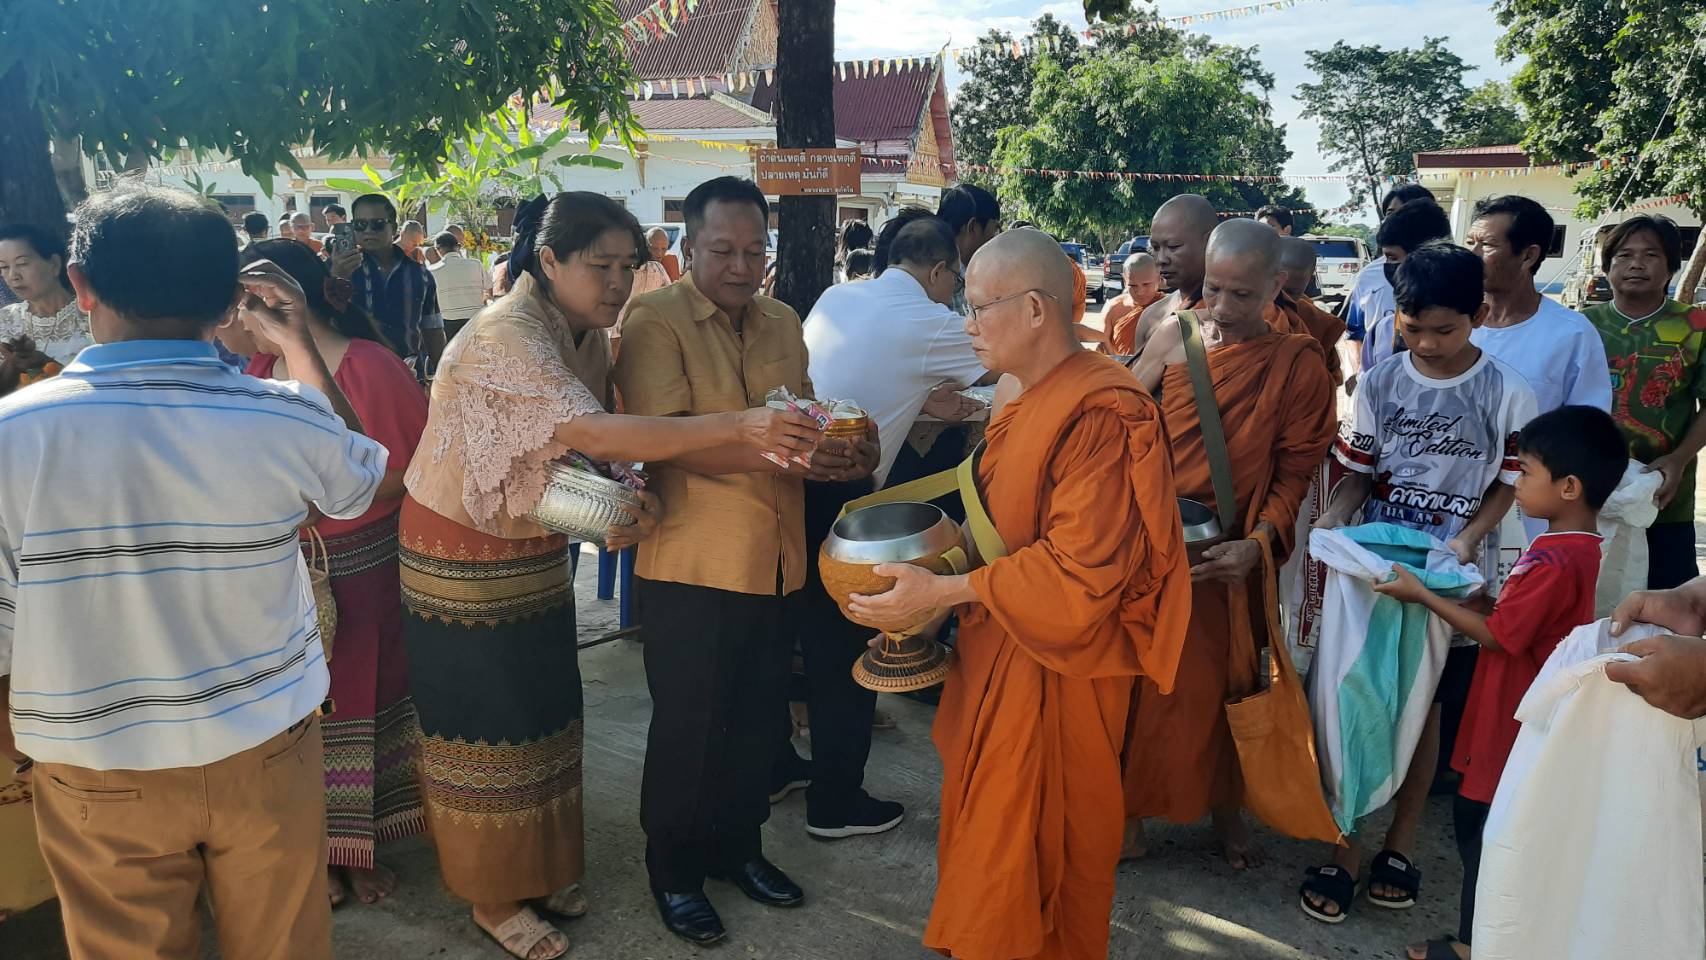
[876, 106]
[704, 45]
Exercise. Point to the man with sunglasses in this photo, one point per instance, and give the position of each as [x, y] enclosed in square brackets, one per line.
[400, 293]
[1092, 592]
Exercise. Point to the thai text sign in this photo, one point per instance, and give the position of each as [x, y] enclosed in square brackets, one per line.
[808, 171]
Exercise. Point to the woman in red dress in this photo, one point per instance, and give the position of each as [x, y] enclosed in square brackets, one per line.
[370, 728]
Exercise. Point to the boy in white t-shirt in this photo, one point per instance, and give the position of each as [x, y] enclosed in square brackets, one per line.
[1431, 445]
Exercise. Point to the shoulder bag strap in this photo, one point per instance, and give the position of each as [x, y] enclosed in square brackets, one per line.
[962, 478]
[983, 532]
[1208, 414]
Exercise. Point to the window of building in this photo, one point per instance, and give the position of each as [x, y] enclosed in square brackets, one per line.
[1557, 247]
[673, 211]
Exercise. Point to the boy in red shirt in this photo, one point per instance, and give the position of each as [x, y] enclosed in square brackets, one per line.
[1571, 460]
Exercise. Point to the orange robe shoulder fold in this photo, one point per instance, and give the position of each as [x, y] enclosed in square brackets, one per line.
[1326, 328]
[1276, 407]
[1094, 592]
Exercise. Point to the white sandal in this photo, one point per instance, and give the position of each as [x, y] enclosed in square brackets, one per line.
[520, 934]
[567, 902]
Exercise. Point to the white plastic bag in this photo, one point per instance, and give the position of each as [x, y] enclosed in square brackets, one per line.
[1592, 848]
[1623, 521]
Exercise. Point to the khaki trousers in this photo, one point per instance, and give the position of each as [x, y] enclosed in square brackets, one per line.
[130, 850]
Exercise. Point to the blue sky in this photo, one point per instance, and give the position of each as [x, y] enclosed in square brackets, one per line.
[874, 28]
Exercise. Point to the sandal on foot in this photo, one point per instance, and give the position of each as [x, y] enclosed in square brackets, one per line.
[1332, 884]
[520, 934]
[568, 902]
[1445, 948]
[1393, 869]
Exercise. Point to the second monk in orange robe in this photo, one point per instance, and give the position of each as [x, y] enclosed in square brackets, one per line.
[1275, 400]
[1092, 594]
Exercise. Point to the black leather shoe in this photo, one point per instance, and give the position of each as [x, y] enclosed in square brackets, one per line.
[761, 880]
[690, 916]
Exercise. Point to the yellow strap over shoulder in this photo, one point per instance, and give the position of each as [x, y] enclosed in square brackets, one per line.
[962, 478]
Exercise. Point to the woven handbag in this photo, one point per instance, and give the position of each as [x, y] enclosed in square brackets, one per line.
[320, 579]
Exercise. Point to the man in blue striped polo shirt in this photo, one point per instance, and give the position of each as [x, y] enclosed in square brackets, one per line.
[158, 639]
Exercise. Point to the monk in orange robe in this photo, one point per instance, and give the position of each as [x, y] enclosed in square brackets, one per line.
[1120, 316]
[1178, 241]
[1093, 593]
[1297, 259]
[1275, 400]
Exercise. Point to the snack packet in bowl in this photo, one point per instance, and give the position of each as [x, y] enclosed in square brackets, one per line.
[627, 474]
[781, 398]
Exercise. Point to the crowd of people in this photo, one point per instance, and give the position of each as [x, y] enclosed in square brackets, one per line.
[186, 420]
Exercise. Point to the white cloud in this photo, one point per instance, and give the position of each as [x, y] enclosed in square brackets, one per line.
[873, 28]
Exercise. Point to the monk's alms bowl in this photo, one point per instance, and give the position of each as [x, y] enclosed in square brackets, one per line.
[1202, 529]
[902, 532]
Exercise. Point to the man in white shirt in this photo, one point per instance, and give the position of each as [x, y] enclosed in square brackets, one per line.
[1555, 348]
[159, 646]
[887, 342]
[461, 283]
[884, 344]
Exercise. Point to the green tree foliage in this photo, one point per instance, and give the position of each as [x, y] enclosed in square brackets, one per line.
[996, 91]
[1378, 107]
[1489, 116]
[504, 159]
[253, 80]
[1153, 101]
[1623, 80]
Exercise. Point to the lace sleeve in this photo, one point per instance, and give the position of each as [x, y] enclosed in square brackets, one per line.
[509, 396]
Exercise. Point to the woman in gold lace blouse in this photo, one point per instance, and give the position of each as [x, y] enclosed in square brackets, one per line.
[490, 628]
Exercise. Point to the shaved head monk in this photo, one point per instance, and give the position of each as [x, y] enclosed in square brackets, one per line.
[1178, 240]
[1092, 592]
[1119, 318]
[1297, 259]
[1275, 401]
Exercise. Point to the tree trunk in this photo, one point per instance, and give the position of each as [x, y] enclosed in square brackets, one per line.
[29, 193]
[805, 117]
[1688, 289]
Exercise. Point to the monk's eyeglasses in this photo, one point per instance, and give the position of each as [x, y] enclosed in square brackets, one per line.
[1011, 296]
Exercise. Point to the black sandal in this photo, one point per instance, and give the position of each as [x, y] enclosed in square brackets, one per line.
[1332, 884]
[1393, 869]
[1442, 949]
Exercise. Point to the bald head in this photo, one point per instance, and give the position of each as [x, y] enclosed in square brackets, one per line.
[1024, 259]
[1246, 238]
[1297, 259]
[1241, 277]
[1296, 254]
[1178, 237]
[1138, 264]
[1020, 287]
[1191, 211]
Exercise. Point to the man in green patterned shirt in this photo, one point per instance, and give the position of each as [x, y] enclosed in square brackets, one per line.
[1655, 347]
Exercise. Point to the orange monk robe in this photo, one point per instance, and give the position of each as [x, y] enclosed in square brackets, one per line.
[671, 266]
[1326, 328]
[1276, 407]
[1120, 318]
[1080, 292]
[1282, 321]
[1093, 593]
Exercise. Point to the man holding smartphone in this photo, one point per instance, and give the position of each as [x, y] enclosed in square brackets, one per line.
[400, 293]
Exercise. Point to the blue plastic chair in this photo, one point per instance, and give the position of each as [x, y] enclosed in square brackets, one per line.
[608, 566]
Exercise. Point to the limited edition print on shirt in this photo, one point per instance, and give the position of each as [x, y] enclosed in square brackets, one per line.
[1435, 446]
